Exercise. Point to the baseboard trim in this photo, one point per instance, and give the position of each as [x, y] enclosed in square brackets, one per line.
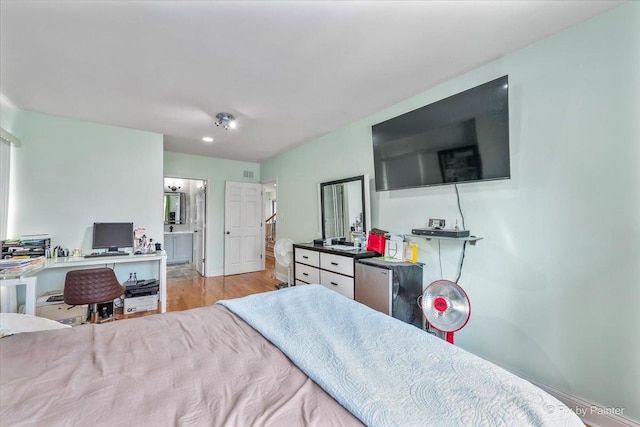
[589, 413]
[215, 273]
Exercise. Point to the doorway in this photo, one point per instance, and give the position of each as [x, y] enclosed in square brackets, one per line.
[270, 206]
[185, 210]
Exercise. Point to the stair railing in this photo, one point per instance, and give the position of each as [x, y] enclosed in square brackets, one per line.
[270, 231]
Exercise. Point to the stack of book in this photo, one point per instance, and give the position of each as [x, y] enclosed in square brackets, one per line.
[20, 266]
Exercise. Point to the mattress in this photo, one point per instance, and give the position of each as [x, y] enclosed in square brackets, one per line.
[390, 373]
[303, 356]
[199, 367]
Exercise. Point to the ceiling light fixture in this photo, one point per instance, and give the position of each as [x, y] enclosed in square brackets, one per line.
[207, 139]
[225, 120]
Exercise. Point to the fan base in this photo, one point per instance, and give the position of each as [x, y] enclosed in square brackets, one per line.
[282, 285]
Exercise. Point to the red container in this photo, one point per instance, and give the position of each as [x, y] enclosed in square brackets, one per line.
[376, 243]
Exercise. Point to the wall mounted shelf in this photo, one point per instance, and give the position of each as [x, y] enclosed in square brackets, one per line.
[471, 239]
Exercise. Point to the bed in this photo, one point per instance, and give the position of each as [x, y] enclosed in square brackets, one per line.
[299, 356]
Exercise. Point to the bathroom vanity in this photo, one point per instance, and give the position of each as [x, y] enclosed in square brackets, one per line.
[330, 266]
[179, 247]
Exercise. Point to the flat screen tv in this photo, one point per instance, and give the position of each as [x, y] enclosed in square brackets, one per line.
[112, 235]
[462, 138]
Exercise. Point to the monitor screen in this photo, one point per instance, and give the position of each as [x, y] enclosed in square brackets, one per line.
[112, 235]
[462, 138]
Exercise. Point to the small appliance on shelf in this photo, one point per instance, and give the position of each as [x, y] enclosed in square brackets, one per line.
[438, 232]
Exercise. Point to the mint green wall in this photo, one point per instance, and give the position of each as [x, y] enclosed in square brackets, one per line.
[554, 283]
[70, 173]
[216, 172]
[300, 170]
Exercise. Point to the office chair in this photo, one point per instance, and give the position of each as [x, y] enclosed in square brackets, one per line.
[92, 286]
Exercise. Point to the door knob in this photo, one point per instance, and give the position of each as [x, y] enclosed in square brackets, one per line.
[228, 232]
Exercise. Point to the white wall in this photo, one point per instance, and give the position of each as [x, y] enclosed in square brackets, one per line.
[216, 172]
[69, 174]
[554, 284]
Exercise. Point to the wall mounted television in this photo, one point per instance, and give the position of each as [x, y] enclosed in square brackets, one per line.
[462, 138]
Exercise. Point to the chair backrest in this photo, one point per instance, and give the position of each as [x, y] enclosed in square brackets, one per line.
[91, 286]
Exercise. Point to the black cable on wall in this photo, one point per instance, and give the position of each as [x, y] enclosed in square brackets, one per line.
[464, 245]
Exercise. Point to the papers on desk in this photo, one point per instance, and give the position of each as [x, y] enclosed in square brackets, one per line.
[34, 237]
[389, 259]
[342, 247]
[28, 246]
[20, 265]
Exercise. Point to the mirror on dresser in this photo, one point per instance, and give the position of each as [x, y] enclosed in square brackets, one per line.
[174, 208]
[344, 207]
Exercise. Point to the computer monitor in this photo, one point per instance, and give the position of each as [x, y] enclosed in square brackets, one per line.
[112, 235]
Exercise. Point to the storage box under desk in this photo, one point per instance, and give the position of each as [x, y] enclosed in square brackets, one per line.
[63, 313]
[138, 304]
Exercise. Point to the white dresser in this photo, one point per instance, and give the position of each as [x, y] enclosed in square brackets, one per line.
[332, 268]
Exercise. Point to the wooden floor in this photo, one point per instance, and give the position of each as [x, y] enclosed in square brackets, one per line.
[183, 294]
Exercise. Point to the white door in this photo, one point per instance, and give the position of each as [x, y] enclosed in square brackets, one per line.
[199, 232]
[243, 242]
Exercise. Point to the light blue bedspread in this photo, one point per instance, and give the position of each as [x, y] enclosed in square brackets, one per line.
[388, 373]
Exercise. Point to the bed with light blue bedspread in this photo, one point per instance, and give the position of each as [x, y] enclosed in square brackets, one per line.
[388, 373]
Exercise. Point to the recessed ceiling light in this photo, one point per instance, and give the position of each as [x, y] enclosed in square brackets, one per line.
[207, 139]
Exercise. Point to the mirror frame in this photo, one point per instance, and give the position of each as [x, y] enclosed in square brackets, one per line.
[182, 218]
[365, 198]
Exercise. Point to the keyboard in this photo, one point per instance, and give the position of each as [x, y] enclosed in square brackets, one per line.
[105, 254]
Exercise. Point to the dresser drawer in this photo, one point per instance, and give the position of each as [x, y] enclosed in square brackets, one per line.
[308, 257]
[300, 283]
[337, 263]
[307, 273]
[341, 284]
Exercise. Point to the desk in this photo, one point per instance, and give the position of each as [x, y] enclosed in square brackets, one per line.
[27, 279]
[30, 279]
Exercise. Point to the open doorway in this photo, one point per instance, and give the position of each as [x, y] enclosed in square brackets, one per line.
[185, 202]
[270, 199]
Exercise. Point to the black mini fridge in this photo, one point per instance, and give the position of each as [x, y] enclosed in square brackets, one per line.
[392, 288]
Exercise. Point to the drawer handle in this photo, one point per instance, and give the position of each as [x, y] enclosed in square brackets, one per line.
[334, 263]
[305, 274]
[305, 257]
[334, 283]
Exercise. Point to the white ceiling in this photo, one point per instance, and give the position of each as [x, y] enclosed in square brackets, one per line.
[289, 71]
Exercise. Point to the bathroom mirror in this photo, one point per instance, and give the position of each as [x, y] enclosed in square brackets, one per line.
[174, 208]
[344, 207]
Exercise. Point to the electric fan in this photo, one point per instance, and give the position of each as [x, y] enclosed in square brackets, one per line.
[282, 251]
[446, 307]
